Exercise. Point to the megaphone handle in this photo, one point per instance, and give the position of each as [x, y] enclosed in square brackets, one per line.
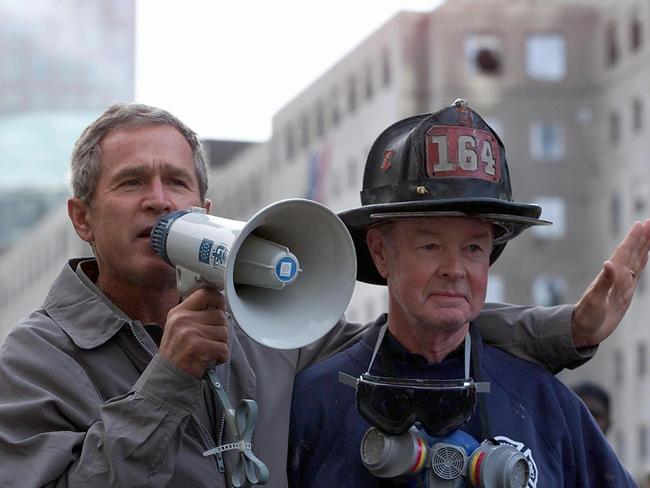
[228, 411]
[187, 281]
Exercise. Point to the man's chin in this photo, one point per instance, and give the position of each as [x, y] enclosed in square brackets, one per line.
[156, 273]
[448, 318]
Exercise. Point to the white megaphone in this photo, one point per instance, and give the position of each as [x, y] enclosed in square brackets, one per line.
[288, 273]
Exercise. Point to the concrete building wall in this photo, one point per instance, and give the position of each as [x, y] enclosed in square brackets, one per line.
[623, 128]
[326, 131]
[238, 187]
[28, 268]
[513, 102]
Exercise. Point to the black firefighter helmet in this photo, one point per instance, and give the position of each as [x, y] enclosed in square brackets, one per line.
[447, 164]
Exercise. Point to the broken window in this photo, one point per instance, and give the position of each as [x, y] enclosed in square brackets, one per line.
[483, 55]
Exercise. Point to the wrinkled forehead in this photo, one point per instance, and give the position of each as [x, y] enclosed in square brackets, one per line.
[146, 145]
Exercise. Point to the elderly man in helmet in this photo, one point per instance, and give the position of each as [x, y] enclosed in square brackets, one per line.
[434, 405]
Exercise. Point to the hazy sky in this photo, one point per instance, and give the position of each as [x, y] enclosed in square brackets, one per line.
[225, 67]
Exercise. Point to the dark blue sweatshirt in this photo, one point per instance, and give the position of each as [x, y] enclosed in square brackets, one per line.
[527, 408]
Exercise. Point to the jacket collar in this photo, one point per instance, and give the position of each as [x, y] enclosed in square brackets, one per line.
[81, 309]
[90, 319]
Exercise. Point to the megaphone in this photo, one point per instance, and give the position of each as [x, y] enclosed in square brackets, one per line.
[288, 273]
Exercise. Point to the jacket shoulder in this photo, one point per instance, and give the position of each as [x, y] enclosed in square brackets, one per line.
[326, 372]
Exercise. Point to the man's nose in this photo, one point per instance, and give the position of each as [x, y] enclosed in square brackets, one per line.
[452, 265]
[157, 197]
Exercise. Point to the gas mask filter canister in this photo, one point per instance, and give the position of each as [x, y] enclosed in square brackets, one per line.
[451, 461]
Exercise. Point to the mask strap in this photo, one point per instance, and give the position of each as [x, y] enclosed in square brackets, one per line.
[486, 431]
[380, 339]
[382, 333]
[468, 352]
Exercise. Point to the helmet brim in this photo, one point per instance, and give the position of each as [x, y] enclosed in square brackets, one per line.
[512, 218]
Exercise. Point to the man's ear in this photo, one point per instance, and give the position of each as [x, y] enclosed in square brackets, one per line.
[377, 247]
[207, 205]
[78, 213]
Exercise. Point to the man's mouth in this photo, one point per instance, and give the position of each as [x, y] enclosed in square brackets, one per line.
[145, 234]
[449, 294]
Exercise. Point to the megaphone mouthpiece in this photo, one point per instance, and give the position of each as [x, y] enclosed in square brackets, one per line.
[160, 232]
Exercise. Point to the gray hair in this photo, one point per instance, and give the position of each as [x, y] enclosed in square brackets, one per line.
[86, 155]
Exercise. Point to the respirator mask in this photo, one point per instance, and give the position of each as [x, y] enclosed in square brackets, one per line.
[414, 432]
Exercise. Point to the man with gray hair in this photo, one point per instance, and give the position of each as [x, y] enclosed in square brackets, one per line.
[102, 385]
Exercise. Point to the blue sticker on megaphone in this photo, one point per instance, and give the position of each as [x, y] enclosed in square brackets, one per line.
[286, 269]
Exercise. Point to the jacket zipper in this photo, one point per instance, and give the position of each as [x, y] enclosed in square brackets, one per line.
[207, 439]
[223, 420]
[203, 432]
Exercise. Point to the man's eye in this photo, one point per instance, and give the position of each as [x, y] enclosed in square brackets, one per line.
[178, 182]
[474, 248]
[130, 182]
[430, 247]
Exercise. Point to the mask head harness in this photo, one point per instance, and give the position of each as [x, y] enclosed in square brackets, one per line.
[395, 404]
[414, 430]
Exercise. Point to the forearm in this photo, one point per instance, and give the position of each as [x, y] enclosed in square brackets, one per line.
[133, 442]
[342, 336]
[138, 437]
[538, 334]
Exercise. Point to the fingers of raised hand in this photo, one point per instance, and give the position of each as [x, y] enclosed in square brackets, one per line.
[622, 289]
[632, 252]
[626, 249]
[599, 288]
[639, 256]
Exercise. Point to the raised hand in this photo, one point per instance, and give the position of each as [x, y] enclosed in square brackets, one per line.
[602, 306]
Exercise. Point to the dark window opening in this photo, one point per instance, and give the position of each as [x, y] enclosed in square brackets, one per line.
[335, 111]
[642, 352]
[304, 131]
[639, 204]
[618, 368]
[636, 35]
[643, 443]
[637, 114]
[615, 213]
[611, 46]
[352, 95]
[320, 120]
[385, 68]
[614, 128]
[290, 147]
[488, 62]
[369, 84]
[352, 173]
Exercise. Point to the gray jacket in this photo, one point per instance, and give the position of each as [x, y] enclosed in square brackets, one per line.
[86, 401]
